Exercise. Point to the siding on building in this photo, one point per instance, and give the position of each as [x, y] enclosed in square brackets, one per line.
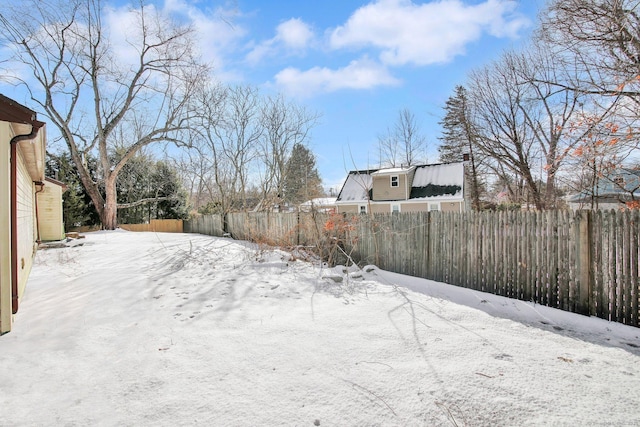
[380, 207]
[30, 169]
[383, 191]
[50, 220]
[451, 207]
[414, 207]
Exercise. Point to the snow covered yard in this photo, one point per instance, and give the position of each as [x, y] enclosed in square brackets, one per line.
[182, 329]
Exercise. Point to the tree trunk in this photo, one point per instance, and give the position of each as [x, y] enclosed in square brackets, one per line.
[109, 215]
[533, 190]
[550, 195]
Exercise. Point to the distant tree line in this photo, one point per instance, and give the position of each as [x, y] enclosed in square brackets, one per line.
[557, 116]
[249, 151]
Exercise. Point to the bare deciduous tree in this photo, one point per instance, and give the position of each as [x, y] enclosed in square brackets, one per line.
[228, 132]
[502, 130]
[243, 142]
[530, 118]
[284, 125]
[404, 144]
[601, 39]
[92, 89]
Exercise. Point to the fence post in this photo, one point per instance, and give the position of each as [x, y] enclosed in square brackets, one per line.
[585, 269]
[298, 226]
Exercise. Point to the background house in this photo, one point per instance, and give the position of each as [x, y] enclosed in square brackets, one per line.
[612, 191]
[22, 155]
[320, 204]
[422, 188]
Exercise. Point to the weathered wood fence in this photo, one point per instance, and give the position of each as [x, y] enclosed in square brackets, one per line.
[583, 262]
[157, 225]
[280, 229]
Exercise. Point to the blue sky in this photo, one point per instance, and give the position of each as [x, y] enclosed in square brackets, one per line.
[355, 63]
[358, 63]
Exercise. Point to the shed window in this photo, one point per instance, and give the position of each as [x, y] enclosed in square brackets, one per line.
[434, 207]
[363, 209]
[395, 182]
[395, 208]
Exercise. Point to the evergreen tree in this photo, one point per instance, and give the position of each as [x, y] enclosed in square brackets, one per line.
[149, 189]
[458, 139]
[302, 181]
[172, 203]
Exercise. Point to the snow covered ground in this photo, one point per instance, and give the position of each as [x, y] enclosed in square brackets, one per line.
[176, 329]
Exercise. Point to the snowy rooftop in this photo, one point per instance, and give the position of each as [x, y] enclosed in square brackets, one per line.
[444, 181]
[356, 187]
[390, 171]
[320, 201]
[442, 174]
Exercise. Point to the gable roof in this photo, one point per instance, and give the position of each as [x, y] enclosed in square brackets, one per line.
[441, 180]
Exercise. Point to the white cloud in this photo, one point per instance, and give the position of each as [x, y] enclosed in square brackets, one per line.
[292, 36]
[123, 24]
[216, 35]
[359, 74]
[428, 33]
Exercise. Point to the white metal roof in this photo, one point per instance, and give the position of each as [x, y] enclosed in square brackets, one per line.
[442, 174]
[391, 171]
[356, 187]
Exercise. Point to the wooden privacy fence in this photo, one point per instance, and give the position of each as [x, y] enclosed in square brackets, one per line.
[583, 262]
[211, 225]
[280, 229]
[157, 225]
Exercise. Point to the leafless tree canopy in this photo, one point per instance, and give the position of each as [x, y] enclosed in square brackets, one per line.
[103, 87]
[403, 144]
[564, 109]
[242, 142]
[600, 37]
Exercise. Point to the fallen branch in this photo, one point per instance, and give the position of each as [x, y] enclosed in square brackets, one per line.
[374, 395]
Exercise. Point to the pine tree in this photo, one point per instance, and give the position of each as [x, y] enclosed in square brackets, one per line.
[458, 139]
[302, 181]
[455, 139]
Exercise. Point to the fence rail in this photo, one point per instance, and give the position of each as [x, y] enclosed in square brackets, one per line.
[583, 262]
